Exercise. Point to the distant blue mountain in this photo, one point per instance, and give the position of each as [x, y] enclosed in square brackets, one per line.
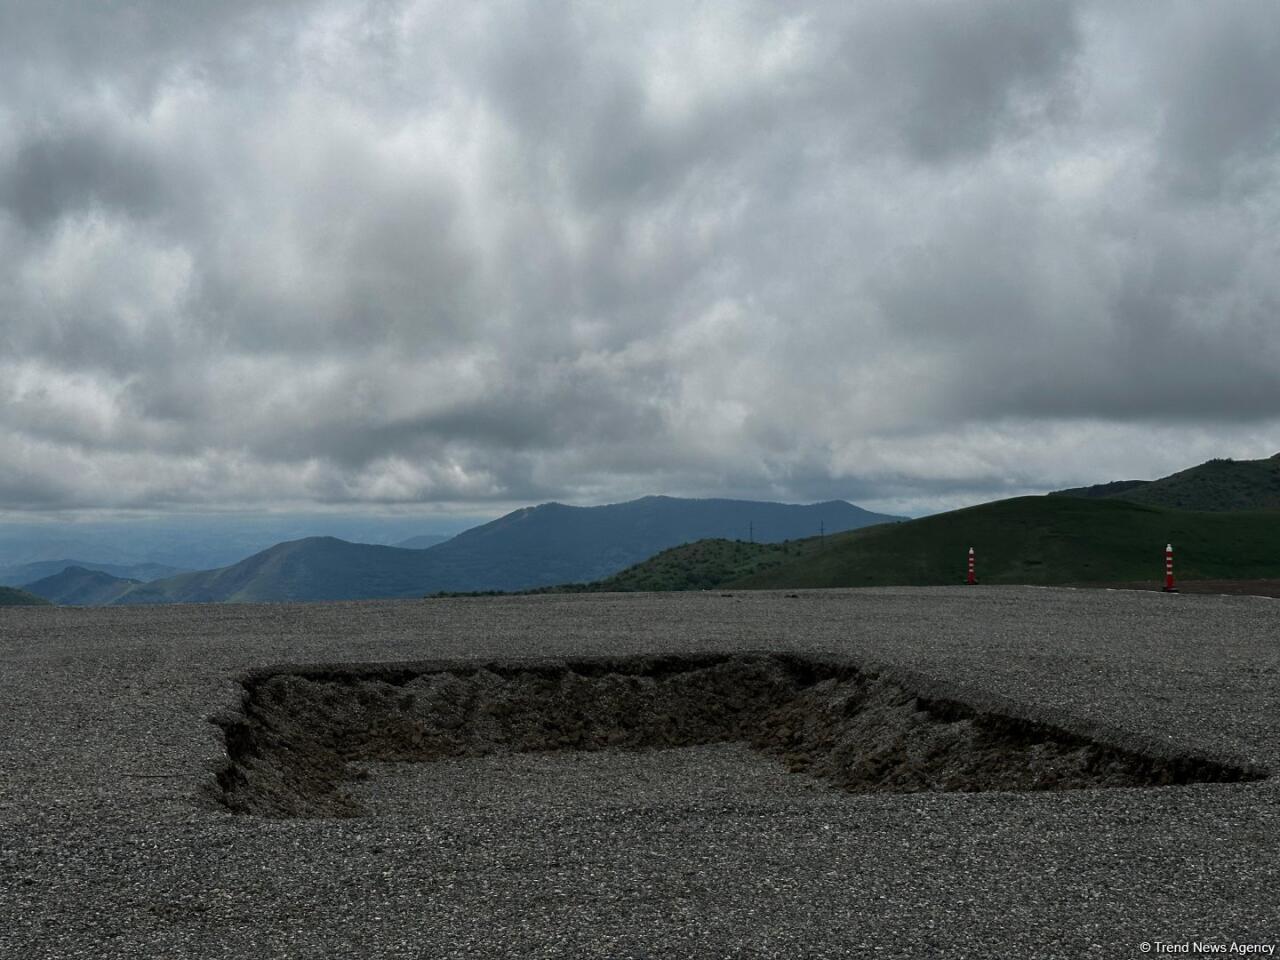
[78, 587]
[423, 541]
[535, 546]
[24, 573]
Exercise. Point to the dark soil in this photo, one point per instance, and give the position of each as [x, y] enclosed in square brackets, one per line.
[303, 735]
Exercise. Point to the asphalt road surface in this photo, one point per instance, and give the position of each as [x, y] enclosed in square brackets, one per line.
[111, 844]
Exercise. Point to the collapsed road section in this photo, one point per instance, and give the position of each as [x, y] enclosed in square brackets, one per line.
[301, 733]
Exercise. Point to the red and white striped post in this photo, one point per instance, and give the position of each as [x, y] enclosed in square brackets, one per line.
[972, 578]
[1168, 570]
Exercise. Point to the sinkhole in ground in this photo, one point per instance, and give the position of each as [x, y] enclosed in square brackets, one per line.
[301, 735]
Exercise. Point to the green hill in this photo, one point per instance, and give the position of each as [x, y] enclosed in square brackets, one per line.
[1217, 485]
[695, 566]
[1223, 516]
[1040, 540]
[13, 597]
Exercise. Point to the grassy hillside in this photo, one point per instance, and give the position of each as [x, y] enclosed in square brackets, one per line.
[1217, 485]
[1040, 540]
[696, 566]
[12, 597]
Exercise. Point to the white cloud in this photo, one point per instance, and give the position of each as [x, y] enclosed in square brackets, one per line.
[398, 253]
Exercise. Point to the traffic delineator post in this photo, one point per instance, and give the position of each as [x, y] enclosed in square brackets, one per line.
[972, 578]
[1168, 570]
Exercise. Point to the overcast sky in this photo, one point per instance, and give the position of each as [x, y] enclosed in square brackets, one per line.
[453, 257]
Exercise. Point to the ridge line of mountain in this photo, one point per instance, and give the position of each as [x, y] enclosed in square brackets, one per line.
[1082, 534]
[531, 546]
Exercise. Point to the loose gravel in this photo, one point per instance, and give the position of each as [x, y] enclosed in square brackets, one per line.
[115, 840]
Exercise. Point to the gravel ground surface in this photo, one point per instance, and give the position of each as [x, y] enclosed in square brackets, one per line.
[1262, 587]
[109, 846]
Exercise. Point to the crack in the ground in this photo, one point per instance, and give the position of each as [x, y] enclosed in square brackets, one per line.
[301, 732]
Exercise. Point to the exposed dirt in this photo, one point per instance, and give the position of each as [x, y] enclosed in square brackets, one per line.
[303, 735]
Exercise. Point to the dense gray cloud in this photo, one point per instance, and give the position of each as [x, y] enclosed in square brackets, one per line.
[915, 254]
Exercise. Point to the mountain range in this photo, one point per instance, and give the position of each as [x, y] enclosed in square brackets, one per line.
[530, 547]
[197, 541]
[79, 586]
[23, 573]
[1224, 515]
[1108, 533]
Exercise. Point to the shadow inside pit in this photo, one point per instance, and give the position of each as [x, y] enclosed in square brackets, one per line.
[293, 746]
